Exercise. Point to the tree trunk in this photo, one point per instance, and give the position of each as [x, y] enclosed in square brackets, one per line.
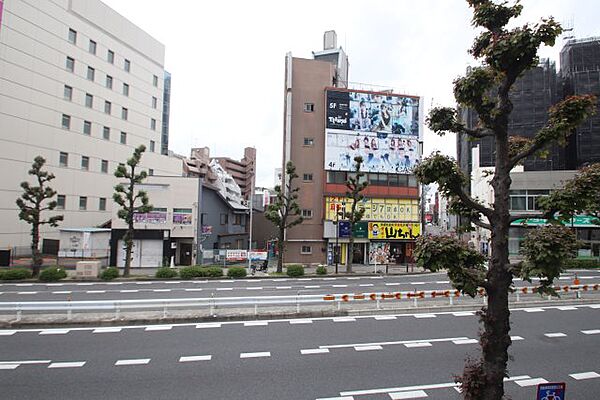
[350, 252]
[280, 249]
[128, 239]
[36, 257]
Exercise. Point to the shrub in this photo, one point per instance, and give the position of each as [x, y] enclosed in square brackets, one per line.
[109, 273]
[214, 272]
[321, 270]
[236, 272]
[295, 270]
[14, 274]
[166, 273]
[191, 272]
[575, 263]
[52, 274]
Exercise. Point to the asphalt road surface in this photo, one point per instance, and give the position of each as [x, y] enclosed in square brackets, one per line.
[400, 356]
[241, 287]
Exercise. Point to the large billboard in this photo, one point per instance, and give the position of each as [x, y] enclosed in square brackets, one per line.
[382, 128]
[376, 209]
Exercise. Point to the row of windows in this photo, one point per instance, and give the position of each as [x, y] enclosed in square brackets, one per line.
[238, 219]
[63, 161]
[110, 55]
[87, 130]
[61, 201]
[526, 200]
[391, 180]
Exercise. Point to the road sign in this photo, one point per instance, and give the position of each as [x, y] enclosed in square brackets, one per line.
[551, 391]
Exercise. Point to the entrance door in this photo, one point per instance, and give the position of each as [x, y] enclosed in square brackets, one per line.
[185, 254]
[358, 256]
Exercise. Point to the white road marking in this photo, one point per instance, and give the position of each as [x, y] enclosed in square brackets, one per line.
[555, 335]
[158, 328]
[24, 284]
[224, 288]
[209, 325]
[27, 292]
[399, 389]
[106, 330]
[305, 279]
[385, 317]
[26, 362]
[113, 283]
[9, 366]
[463, 314]
[341, 346]
[314, 351]
[415, 394]
[301, 321]
[129, 291]
[376, 277]
[531, 310]
[138, 361]
[418, 283]
[566, 308]
[516, 338]
[531, 382]
[256, 355]
[54, 332]
[74, 364]
[80, 284]
[7, 333]
[594, 306]
[367, 348]
[144, 283]
[254, 288]
[418, 344]
[193, 290]
[585, 375]
[312, 287]
[256, 323]
[591, 332]
[283, 287]
[354, 278]
[54, 284]
[339, 286]
[392, 284]
[425, 316]
[443, 282]
[95, 291]
[163, 290]
[331, 279]
[466, 341]
[337, 398]
[366, 285]
[344, 319]
[63, 292]
[195, 358]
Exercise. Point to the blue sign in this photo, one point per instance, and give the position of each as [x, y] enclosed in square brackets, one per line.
[344, 227]
[551, 391]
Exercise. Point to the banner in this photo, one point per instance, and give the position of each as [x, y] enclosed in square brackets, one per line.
[156, 216]
[394, 231]
[382, 128]
[258, 255]
[379, 253]
[236, 255]
[578, 221]
[182, 216]
[376, 209]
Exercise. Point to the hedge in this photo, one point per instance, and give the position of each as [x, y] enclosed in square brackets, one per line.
[14, 274]
[576, 263]
[321, 270]
[52, 274]
[295, 270]
[109, 274]
[197, 271]
[236, 272]
[166, 273]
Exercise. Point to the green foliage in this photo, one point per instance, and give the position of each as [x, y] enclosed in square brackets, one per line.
[466, 267]
[166, 273]
[546, 249]
[321, 270]
[236, 272]
[53, 274]
[214, 272]
[473, 90]
[197, 271]
[109, 274]
[443, 170]
[14, 274]
[31, 206]
[295, 270]
[354, 188]
[575, 263]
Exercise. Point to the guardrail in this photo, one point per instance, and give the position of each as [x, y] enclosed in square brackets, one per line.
[117, 306]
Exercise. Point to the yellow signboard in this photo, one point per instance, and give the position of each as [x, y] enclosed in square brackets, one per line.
[376, 209]
[394, 231]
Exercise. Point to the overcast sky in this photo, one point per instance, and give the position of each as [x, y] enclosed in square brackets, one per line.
[227, 58]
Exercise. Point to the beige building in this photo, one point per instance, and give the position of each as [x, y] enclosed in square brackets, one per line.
[81, 86]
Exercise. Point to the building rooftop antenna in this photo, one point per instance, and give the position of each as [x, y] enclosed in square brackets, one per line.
[568, 26]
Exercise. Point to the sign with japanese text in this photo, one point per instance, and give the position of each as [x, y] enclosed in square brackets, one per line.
[394, 230]
[551, 391]
[376, 209]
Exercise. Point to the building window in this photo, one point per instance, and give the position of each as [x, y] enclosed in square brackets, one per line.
[72, 36]
[91, 74]
[66, 121]
[237, 219]
[309, 141]
[306, 250]
[307, 213]
[152, 124]
[110, 56]
[150, 172]
[85, 163]
[126, 89]
[526, 200]
[307, 177]
[154, 102]
[92, 47]
[127, 65]
[68, 93]
[104, 166]
[224, 219]
[106, 133]
[152, 146]
[82, 203]
[70, 64]
[63, 159]
[309, 107]
[155, 80]
[336, 177]
[123, 138]
[87, 127]
[107, 107]
[124, 113]
[89, 100]
[109, 81]
[61, 200]
[102, 204]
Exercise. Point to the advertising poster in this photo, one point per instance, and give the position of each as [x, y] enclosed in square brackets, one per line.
[233, 255]
[376, 209]
[1, 8]
[182, 216]
[382, 128]
[156, 216]
[344, 229]
[379, 253]
[394, 231]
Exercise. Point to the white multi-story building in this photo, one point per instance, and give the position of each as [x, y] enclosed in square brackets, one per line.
[81, 86]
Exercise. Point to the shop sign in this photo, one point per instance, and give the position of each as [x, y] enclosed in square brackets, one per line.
[156, 216]
[360, 230]
[579, 221]
[234, 255]
[394, 231]
[344, 229]
[182, 216]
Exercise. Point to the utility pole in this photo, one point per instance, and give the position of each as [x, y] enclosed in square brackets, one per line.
[251, 205]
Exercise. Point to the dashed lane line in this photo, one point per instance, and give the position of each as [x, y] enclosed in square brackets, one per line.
[72, 364]
[413, 394]
[300, 321]
[555, 335]
[421, 316]
[585, 375]
[158, 328]
[385, 318]
[530, 382]
[54, 331]
[465, 341]
[417, 344]
[314, 351]
[516, 338]
[195, 358]
[259, 354]
[256, 323]
[591, 332]
[137, 361]
[208, 325]
[106, 330]
[367, 348]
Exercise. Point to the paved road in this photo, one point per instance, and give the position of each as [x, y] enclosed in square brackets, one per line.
[363, 358]
[239, 287]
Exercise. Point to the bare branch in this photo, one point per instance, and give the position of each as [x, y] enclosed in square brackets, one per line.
[482, 224]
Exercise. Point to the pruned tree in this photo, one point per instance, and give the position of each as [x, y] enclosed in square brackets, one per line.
[354, 188]
[285, 212]
[505, 54]
[131, 201]
[32, 204]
